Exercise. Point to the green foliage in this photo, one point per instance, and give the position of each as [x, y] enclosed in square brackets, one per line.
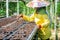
[58, 9]
[24, 9]
[2, 12]
[12, 8]
[2, 9]
[21, 6]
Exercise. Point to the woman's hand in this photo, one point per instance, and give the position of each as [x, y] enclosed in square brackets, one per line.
[21, 15]
[39, 26]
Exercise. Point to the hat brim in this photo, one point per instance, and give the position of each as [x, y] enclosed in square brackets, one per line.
[34, 4]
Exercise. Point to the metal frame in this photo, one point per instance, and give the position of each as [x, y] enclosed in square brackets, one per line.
[33, 33]
[53, 11]
[7, 6]
[17, 7]
[53, 15]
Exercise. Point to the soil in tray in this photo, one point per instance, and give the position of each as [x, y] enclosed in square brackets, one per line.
[5, 21]
[9, 29]
[24, 32]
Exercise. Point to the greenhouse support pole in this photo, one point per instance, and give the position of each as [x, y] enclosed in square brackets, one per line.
[52, 10]
[55, 20]
[48, 13]
[17, 7]
[7, 8]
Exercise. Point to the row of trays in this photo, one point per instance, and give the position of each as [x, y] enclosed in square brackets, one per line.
[18, 29]
[25, 32]
[8, 29]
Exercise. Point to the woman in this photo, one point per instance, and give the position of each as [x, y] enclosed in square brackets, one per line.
[42, 21]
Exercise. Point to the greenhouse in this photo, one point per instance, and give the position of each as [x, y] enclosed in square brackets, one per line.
[29, 19]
